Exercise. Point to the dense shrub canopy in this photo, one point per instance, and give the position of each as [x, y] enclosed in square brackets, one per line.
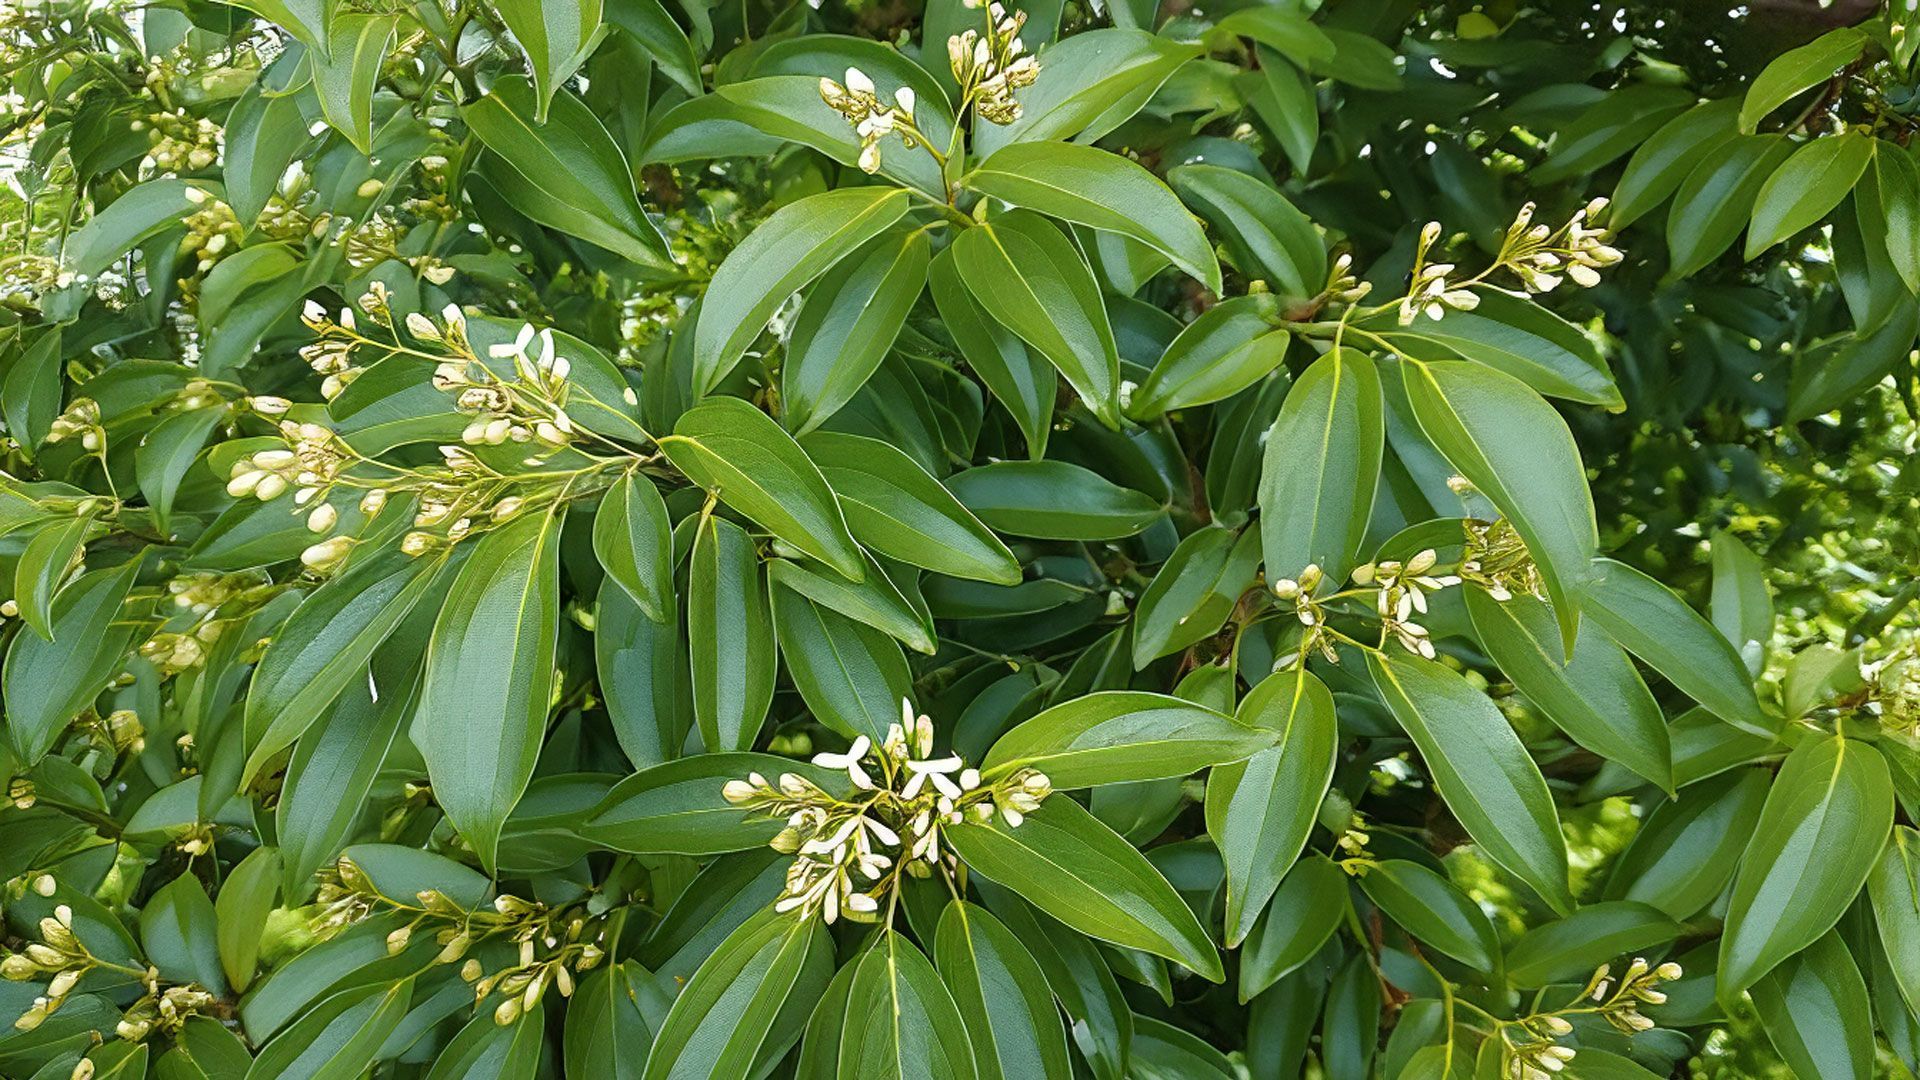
[648, 538]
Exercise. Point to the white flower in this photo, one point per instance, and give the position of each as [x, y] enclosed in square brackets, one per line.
[850, 761]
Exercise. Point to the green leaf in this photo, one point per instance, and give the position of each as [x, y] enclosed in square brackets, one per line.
[1806, 187]
[1741, 605]
[1519, 337]
[1052, 500]
[1656, 169]
[488, 1050]
[1815, 1010]
[878, 601]
[1099, 1021]
[1031, 279]
[1100, 78]
[1195, 591]
[1897, 177]
[246, 899]
[344, 81]
[645, 677]
[1481, 769]
[906, 1024]
[1065, 862]
[49, 558]
[1659, 628]
[1320, 467]
[851, 676]
[130, 219]
[849, 321]
[1102, 190]
[178, 932]
[1569, 949]
[336, 1039]
[1306, 909]
[570, 173]
[733, 1015]
[1798, 70]
[30, 395]
[1286, 32]
[1260, 812]
[608, 1033]
[1117, 736]
[731, 632]
[307, 20]
[1615, 124]
[1716, 199]
[785, 252]
[264, 131]
[1596, 696]
[1001, 994]
[1839, 369]
[1283, 99]
[1266, 237]
[1020, 378]
[556, 35]
[738, 453]
[678, 807]
[1687, 850]
[1435, 911]
[895, 508]
[166, 454]
[48, 683]
[1820, 833]
[1894, 887]
[489, 677]
[1231, 346]
[634, 542]
[649, 24]
[1517, 451]
[326, 643]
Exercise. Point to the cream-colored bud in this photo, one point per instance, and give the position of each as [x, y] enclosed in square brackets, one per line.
[323, 518]
[268, 405]
[369, 188]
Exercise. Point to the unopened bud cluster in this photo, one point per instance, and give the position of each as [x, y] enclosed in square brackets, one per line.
[872, 119]
[1532, 1048]
[849, 852]
[990, 68]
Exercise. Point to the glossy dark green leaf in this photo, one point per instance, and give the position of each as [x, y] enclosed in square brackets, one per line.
[633, 540]
[1481, 770]
[1435, 911]
[1320, 467]
[848, 323]
[1066, 863]
[1806, 187]
[851, 676]
[344, 82]
[47, 683]
[608, 1032]
[739, 454]
[1259, 812]
[555, 36]
[1103, 190]
[1741, 604]
[489, 677]
[1797, 70]
[1001, 994]
[732, 1016]
[1659, 628]
[731, 631]
[336, 1038]
[1656, 169]
[1569, 949]
[571, 175]
[1815, 1011]
[1304, 912]
[1117, 736]
[678, 807]
[898, 510]
[1715, 201]
[49, 558]
[1195, 591]
[263, 132]
[1894, 887]
[1266, 237]
[782, 254]
[488, 1050]
[179, 933]
[1821, 831]
[1053, 500]
[1025, 273]
[241, 909]
[905, 1024]
[1687, 850]
[1019, 377]
[166, 454]
[1523, 339]
[1518, 452]
[645, 676]
[1596, 697]
[1231, 346]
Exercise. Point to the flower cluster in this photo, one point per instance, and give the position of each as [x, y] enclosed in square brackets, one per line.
[529, 406]
[551, 946]
[63, 960]
[1531, 1046]
[1540, 256]
[162, 1009]
[1398, 591]
[1402, 593]
[1432, 293]
[989, 69]
[180, 143]
[1496, 559]
[849, 852]
[872, 119]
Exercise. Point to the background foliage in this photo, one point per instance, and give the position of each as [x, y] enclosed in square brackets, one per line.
[463, 462]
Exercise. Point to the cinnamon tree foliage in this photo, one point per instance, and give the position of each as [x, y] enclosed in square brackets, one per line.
[665, 539]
